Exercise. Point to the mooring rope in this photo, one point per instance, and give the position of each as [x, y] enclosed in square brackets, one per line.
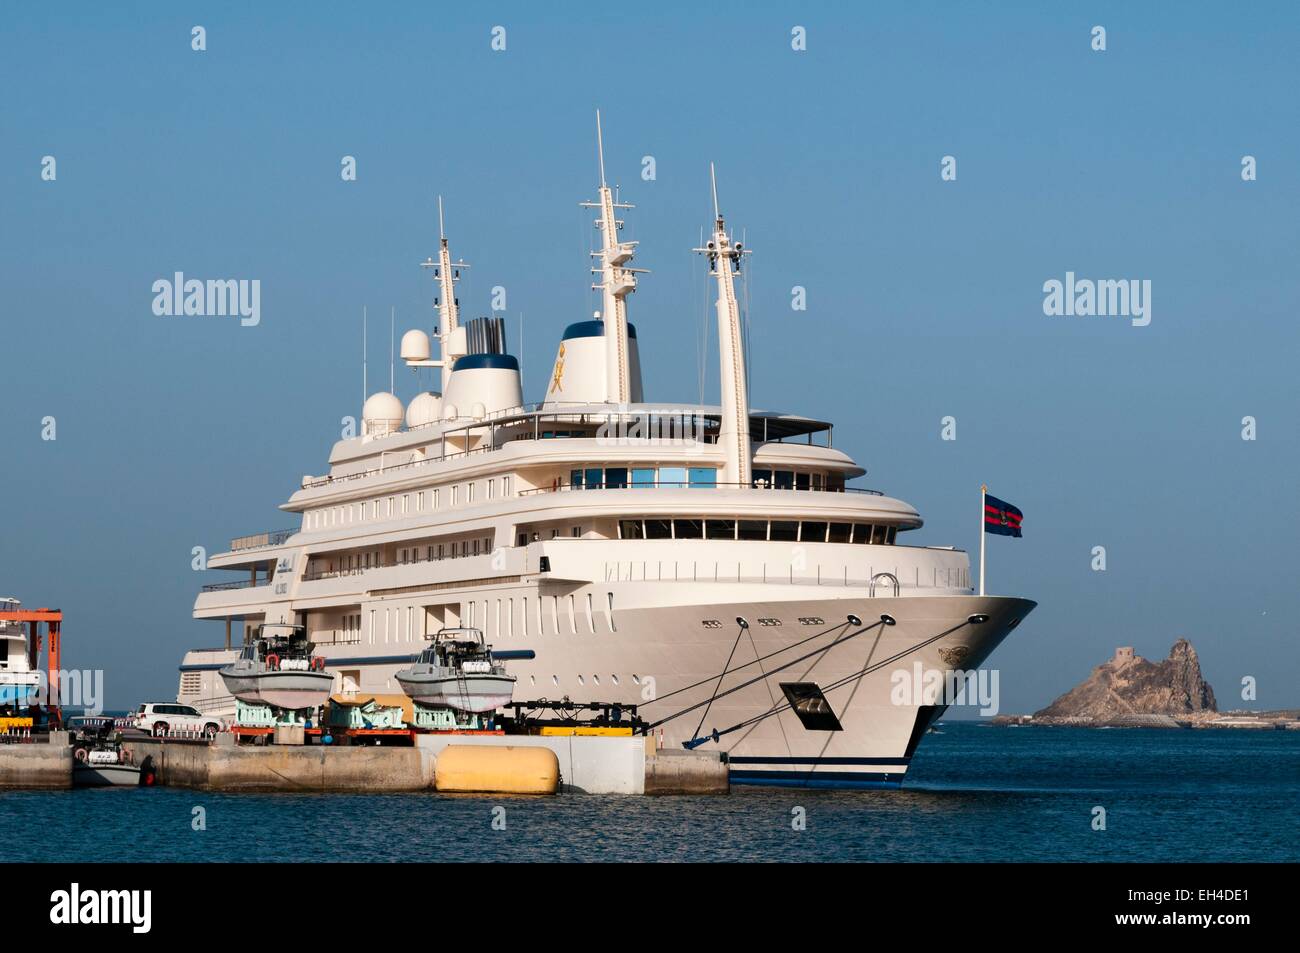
[746, 684]
[741, 629]
[738, 668]
[860, 674]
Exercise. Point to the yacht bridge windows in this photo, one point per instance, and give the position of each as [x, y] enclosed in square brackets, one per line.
[681, 477]
[792, 531]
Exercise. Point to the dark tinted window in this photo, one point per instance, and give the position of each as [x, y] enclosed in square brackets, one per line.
[785, 531]
[762, 478]
[840, 533]
[616, 477]
[784, 479]
[801, 481]
[721, 529]
[630, 529]
[878, 535]
[814, 532]
[862, 532]
[689, 529]
[753, 529]
[658, 529]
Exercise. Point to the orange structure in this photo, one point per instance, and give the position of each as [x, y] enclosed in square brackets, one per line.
[53, 619]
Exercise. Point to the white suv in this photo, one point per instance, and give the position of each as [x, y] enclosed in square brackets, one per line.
[162, 718]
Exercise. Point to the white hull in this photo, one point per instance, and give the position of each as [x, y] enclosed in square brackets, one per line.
[294, 691]
[105, 775]
[650, 655]
[473, 693]
[666, 650]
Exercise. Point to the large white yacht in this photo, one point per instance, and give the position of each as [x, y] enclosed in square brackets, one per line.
[710, 564]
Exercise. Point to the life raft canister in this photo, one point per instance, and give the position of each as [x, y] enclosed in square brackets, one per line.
[273, 662]
[317, 663]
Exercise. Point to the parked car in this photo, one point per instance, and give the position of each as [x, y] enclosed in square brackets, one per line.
[160, 718]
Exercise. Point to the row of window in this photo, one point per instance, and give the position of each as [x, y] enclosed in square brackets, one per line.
[616, 478]
[594, 478]
[435, 551]
[791, 531]
[372, 559]
[417, 502]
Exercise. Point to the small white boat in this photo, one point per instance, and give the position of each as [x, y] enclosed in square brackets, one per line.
[100, 761]
[458, 671]
[278, 669]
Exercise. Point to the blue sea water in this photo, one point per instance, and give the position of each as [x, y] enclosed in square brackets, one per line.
[974, 793]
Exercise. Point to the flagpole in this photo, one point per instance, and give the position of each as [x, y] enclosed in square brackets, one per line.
[983, 493]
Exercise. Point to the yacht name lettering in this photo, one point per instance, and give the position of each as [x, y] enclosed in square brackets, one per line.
[1104, 297]
[214, 297]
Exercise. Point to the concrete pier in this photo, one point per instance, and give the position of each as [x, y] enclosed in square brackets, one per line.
[228, 767]
[675, 771]
[587, 765]
[36, 766]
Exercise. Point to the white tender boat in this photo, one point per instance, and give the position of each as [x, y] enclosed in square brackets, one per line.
[458, 671]
[100, 761]
[278, 668]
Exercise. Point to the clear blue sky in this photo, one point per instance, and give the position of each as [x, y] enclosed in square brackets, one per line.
[924, 297]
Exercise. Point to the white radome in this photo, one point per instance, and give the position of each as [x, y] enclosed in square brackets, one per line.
[381, 414]
[415, 345]
[424, 409]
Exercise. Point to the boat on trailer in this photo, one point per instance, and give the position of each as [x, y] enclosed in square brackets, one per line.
[279, 669]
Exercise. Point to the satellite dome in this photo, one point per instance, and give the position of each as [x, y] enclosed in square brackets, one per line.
[424, 409]
[381, 414]
[415, 345]
[449, 412]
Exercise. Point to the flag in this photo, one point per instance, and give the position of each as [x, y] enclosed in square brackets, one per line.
[1000, 517]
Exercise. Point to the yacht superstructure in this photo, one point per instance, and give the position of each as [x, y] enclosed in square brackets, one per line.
[709, 564]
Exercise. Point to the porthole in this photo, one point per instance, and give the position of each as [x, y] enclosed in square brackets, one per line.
[614, 679]
[712, 624]
[769, 621]
[555, 679]
[811, 620]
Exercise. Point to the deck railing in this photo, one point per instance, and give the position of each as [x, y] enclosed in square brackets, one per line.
[240, 584]
[273, 537]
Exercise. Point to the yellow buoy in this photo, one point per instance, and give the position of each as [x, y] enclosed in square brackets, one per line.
[484, 769]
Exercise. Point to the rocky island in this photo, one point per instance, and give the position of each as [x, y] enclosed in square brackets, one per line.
[1130, 691]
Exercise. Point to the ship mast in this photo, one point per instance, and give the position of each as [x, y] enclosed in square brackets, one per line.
[733, 437]
[617, 281]
[447, 273]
